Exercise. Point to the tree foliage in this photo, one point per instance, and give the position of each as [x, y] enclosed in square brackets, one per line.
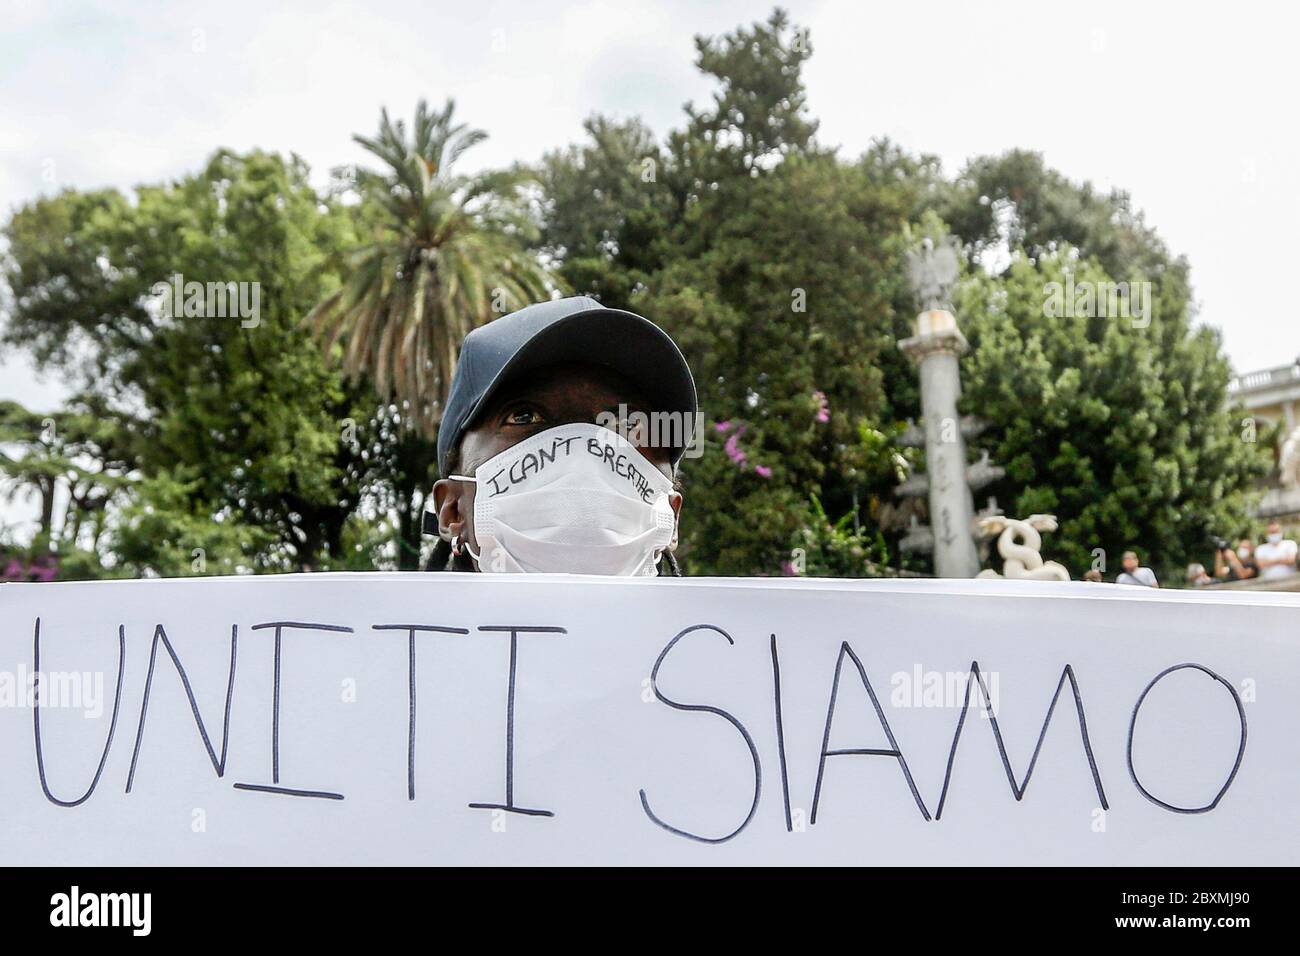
[202, 445]
[1120, 430]
[224, 424]
[446, 255]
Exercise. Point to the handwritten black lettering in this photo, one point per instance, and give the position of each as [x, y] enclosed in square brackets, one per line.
[412, 630]
[36, 718]
[893, 751]
[218, 763]
[279, 627]
[509, 806]
[719, 712]
[780, 735]
[1018, 789]
[1241, 747]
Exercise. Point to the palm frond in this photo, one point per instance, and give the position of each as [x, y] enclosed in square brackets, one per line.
[451, 251]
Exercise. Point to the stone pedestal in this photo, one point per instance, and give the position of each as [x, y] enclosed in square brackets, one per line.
[935, 349]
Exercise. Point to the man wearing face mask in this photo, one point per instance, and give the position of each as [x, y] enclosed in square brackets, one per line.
[535, 478]
[1277, 557]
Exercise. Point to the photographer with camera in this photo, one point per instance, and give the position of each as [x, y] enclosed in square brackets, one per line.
[1230, 565]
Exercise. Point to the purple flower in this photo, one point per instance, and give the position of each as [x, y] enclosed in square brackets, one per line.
[44, 568]
[824, 411]
[763, 471]
[732, 448]
[723, 426]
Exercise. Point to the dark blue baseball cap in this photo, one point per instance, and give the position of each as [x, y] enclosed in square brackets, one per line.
[575, 329]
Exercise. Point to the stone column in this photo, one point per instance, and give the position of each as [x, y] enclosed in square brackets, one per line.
[935, 349]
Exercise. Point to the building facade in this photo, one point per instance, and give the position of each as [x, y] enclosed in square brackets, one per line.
[1272, 397]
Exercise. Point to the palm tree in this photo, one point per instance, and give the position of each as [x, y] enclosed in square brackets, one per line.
[449, 254]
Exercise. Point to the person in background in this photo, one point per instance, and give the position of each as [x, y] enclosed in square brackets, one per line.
[1093, 575]
[1134, 573]
[1197, 576]
[1276, 558]
[1238, 565]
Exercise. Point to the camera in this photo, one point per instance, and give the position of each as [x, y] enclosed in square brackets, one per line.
[1220, 544]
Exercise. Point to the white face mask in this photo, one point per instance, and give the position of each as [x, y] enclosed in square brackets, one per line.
[578, 499]
[1275, 537]
[1243, 552]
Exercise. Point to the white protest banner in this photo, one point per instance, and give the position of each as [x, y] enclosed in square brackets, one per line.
[480, 719]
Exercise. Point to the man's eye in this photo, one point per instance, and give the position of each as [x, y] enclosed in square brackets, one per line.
[523, 416]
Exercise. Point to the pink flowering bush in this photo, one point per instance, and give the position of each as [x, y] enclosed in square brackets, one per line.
[823, 407]
[732, 448]
[40, 569]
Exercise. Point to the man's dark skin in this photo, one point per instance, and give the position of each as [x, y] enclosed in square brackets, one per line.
[551, 396]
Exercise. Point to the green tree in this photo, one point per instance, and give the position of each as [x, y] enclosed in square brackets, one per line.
[1015, 201]
[784, 311]
[1120, 429]
[72, 465]
[773, 265]
[199, 443]
[225, 422]
[448, 253]
[605, 215]
[759, 112]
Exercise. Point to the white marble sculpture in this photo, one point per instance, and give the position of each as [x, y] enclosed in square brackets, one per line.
[1289, 463]
[1020, 559]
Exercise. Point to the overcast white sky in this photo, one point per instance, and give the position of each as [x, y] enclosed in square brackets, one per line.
[1191, 107]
